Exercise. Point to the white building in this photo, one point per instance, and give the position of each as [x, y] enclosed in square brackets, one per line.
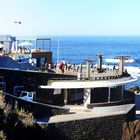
[7, 41]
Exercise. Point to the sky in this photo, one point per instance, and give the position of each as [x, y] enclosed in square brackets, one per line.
[70, 17]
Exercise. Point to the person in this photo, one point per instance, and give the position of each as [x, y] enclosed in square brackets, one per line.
[66, 66]
[69, 67]
[62, 66]
[77, 68]
[46, 65]
[74, 67]
[1, 51]
[114, 68]
[81, 67]
[55, 65]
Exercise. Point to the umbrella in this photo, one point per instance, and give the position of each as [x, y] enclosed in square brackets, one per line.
[24, 44]
[1, 45]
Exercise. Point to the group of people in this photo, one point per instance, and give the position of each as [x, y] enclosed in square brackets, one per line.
[65, 66]
[24, 50]
[74, 67]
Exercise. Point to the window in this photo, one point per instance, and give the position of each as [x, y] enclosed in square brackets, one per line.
[30, 94]
[23, 94]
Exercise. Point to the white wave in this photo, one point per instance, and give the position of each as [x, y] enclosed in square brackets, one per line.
[110, 66]
[138, 75]
[130, 69]
[133, 70]
[117, 61]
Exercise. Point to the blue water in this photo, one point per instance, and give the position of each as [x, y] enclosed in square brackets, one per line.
[77, 49]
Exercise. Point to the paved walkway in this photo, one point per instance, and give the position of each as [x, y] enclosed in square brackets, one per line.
[78, 112]
[69, 72]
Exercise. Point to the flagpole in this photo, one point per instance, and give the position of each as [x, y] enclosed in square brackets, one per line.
[17, 23]
[57, 55]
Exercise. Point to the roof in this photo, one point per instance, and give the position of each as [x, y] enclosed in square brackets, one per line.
[6, 38]
[7, 62]
[72, 84]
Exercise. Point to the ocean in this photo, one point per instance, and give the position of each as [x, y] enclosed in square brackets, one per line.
[76, 49]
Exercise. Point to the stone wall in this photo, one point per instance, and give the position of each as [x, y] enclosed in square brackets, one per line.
[99, 128]
[39, 110]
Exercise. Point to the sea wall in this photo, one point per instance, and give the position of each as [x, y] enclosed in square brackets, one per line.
[98, 128]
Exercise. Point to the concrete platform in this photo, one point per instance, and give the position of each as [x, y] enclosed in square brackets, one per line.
[78, 112]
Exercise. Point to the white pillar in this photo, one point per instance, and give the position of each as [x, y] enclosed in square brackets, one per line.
[79, 76]
[65, 96]
[108, 94]
[87, 96]
[88, 70]
[121, 67]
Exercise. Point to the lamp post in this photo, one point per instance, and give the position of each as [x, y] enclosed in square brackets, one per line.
[17, 23]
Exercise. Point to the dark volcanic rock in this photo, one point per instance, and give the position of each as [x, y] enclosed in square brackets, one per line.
[131, 130]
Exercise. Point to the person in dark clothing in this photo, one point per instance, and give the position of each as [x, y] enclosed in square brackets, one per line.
[114, 67]
[62, 67]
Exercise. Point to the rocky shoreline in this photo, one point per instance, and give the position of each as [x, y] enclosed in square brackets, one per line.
[131, 130]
